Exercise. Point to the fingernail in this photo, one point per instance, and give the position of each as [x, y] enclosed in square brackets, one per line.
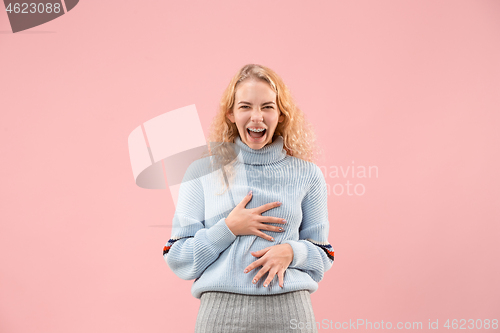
[254, 281]
[280, 229]
[284, 221]
[249, 193]
[279, 203]
[265, 284]
[272, 239]
[246, 271]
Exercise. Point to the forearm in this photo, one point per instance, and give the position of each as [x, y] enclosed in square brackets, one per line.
[313, 258]
[189, 257]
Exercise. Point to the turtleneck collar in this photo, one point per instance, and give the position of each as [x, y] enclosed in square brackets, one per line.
[270, 153]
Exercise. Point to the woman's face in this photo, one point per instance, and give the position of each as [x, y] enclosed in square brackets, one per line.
[255, 108]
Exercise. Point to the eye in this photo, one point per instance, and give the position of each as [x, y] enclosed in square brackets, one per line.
[244, 106]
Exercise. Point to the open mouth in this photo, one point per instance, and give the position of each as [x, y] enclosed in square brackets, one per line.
[256, 135]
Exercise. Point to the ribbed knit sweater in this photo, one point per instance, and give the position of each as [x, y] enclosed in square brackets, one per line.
[202, 247]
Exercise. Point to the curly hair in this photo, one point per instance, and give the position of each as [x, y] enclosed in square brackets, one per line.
[299, 139]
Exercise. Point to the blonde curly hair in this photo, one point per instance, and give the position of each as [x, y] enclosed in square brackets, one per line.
[299, 139]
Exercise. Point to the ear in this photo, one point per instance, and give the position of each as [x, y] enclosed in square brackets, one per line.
[230, 115]
[281, 118]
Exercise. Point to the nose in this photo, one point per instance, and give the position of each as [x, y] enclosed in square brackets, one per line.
[257, 116]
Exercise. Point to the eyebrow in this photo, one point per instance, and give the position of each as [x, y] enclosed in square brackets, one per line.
[243, 102]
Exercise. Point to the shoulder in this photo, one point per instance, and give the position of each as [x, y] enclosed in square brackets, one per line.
[198, 168]
[310, 169]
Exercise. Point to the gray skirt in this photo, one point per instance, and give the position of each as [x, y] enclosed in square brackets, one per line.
[229, 312]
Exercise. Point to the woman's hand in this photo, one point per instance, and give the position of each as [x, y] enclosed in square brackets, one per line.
[275, 259]
[242, 221]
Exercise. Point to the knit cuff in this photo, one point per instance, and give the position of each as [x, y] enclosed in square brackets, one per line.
[299, 253]
[220, 236]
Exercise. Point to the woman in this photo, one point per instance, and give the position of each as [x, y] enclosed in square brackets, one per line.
[258, 249]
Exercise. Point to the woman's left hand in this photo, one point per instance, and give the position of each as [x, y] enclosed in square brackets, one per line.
[275, 259]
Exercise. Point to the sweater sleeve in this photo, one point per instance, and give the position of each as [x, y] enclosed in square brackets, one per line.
[312, 253]
[192, 247]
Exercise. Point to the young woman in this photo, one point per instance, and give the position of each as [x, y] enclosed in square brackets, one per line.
[258, 249]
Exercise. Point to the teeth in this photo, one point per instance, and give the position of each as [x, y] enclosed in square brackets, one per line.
[256, 129]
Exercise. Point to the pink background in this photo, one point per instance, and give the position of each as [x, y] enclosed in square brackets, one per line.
[411, 87]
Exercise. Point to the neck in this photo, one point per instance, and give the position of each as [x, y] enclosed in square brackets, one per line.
[271, 153]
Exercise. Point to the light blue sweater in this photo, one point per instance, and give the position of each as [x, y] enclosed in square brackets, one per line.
[203, 248]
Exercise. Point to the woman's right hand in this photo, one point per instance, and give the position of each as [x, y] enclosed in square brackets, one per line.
[242, 221]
